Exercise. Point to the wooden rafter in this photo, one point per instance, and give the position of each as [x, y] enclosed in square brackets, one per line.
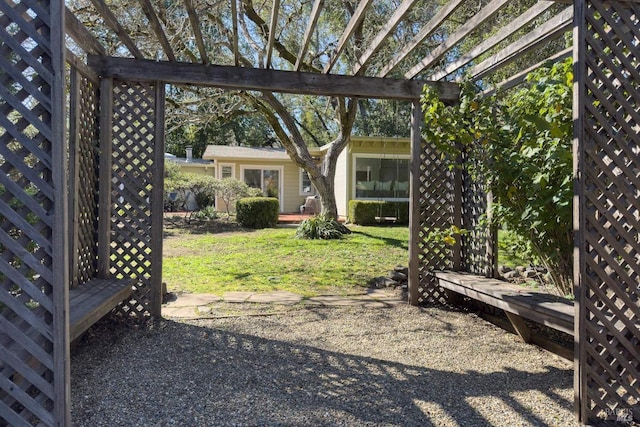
[464, 30]
[197, 32]
[112, 22]
[355, 20]
[81, 35]
[550, 30]
[148, 10]
[311, 25]
[433, 24]
[272, 32]
[245, 78]
[506, 31]
[234, 29]
[516, 79]
[382, 35]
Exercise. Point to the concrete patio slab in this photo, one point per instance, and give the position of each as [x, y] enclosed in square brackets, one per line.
[237, 296]
[277, 297]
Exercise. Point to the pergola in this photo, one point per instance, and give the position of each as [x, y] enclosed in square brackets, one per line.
[82, 148]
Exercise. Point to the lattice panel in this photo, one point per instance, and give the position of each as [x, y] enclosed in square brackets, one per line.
[474, 244]
[610, 181]
[436, 212]
[85, 209]
[133, 169]
[26, 213]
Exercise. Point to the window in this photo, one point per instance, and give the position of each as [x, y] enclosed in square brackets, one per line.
[306, 188]
[226, 171]
[381, 178]
[268, 180]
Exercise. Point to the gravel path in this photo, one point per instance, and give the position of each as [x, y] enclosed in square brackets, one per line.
[318, 366]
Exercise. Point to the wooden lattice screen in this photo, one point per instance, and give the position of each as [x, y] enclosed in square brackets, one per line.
[437, 191]
[608, 245]
[137, 168]
[33, 263]
[449, 197]
[475, 257]
[83, 173]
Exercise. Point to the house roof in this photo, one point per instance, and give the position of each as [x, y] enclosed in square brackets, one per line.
[233, 152]
[195, 162]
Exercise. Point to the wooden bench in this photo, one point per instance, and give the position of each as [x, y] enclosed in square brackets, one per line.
[517, 302]
[88, 303]
[91, 301]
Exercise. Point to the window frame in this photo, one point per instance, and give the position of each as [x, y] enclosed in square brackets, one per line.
[262, 168]
[375, 156]
[223, 165]
[312, 190]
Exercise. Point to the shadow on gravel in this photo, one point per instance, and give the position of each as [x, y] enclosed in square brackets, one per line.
[213, 377]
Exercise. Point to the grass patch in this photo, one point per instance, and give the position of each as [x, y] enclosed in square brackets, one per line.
[273, 259]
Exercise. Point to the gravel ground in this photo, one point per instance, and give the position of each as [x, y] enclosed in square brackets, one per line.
[400, 366]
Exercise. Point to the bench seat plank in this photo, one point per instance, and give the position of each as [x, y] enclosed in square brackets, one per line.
[549, 310]
[91, 301]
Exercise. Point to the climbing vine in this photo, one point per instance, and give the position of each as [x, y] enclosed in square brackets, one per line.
[520, 146]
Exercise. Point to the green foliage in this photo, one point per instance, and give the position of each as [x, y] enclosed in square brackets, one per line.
[521, 146]
[514, 250]
[257, 212]
[230, 190]
[449, 236]
[205, 214]
[364, 212]
[204, 188]
[320, 227]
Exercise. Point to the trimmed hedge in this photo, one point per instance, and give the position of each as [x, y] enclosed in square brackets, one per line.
[364, 212]
[257, 212]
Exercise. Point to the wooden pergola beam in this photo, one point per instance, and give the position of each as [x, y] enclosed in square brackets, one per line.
[243, 78]
[81, 35]
[355, 20]
[550, 30]
[382, 36]
[272, 32]
[311, 25]
[197, 32]
[506, 31]
[517, 79]
[150, 13]
[112, 22]
[431, 26]
[464, 30]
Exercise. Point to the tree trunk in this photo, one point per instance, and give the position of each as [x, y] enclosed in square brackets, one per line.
[293, 142]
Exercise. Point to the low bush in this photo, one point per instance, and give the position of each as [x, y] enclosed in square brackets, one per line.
[257, 212]
[365, 212]
[321, 227]
[205, 214]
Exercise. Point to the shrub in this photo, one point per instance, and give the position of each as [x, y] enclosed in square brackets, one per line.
[206, 213]
[364, 212]
[230, 189]
[257, 212]
[320, 227]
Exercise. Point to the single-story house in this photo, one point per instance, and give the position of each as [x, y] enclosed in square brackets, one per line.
[370, 168]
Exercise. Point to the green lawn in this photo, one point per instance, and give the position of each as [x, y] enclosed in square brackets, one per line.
[272, 259]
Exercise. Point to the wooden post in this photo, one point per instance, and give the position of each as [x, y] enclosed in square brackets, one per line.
[579, 379]
[414, 204]
[492, 240]
[157, 202]
[60, 232]
[457, 209]
[74, 173]
[106, 172]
